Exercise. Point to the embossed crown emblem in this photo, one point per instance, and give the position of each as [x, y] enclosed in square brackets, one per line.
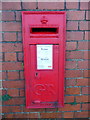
[44, 20]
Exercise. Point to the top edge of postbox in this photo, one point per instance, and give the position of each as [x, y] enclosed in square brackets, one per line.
[43, 12]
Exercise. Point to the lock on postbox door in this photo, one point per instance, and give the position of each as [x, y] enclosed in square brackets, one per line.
[44, 58]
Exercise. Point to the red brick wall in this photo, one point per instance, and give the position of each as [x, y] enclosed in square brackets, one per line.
[76, 83]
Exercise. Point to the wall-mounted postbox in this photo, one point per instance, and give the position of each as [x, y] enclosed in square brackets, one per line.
[44, 58]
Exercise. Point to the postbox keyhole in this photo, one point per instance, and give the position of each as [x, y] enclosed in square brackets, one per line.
[36, 74]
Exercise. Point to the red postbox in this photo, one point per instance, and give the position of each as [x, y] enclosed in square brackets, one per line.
[44, 58]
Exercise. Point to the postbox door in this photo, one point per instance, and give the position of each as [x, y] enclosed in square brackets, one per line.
[43, 84]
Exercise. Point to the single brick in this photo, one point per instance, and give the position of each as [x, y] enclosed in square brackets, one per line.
[86, 73]
[21, 75]
[86, 106]
[8, 109]
[1, 57]
[51, 115]
[8, 16]
[72, 5]
[72, 91]
[13, 92]
[9, 116]
[11, 26]
[69, 99]
[50, 109]
[13, 75]
[30, 115]
[18, 15]
[74, 55]
[75, 15]
[13, 84]
[57, 4]
[24, 109]
[14, 101]
[3, 92]
[1, 66]
[0, 16]
[75, 35]
[0, 26]
[83, 45]
[85, 90]
[84, 5]
[23, 115]
[83, 98]
[22, 92]
[29, 5]
[11, 5]
[83, 114]
[72, 25]
[1, 104]
[71, 45]
[12, 47]
[68, 107]
[3, 75]
[12, 66]
[0, 5]
[1, 36]
[82, 82]
[83, 64]
[71, 82]
[10, 56]
[20, 57]
[0, 46]
[87, 15]
[19, 36]
[71, 65]
[9, 36]
[84, 25]
[68, 114]
[87, 35]
[74, 73]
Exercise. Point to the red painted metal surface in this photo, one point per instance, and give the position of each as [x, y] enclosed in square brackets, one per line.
[44, 87]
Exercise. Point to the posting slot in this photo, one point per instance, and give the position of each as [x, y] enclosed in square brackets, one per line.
[44, 30]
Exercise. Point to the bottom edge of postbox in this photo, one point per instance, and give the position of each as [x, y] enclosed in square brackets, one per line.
[44, 106]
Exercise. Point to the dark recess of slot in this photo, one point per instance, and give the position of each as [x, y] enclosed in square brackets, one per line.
[44, 30]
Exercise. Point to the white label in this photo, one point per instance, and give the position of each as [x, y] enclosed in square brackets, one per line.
[44, 56]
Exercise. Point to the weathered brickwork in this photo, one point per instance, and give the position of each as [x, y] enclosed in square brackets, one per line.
[77, 74]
